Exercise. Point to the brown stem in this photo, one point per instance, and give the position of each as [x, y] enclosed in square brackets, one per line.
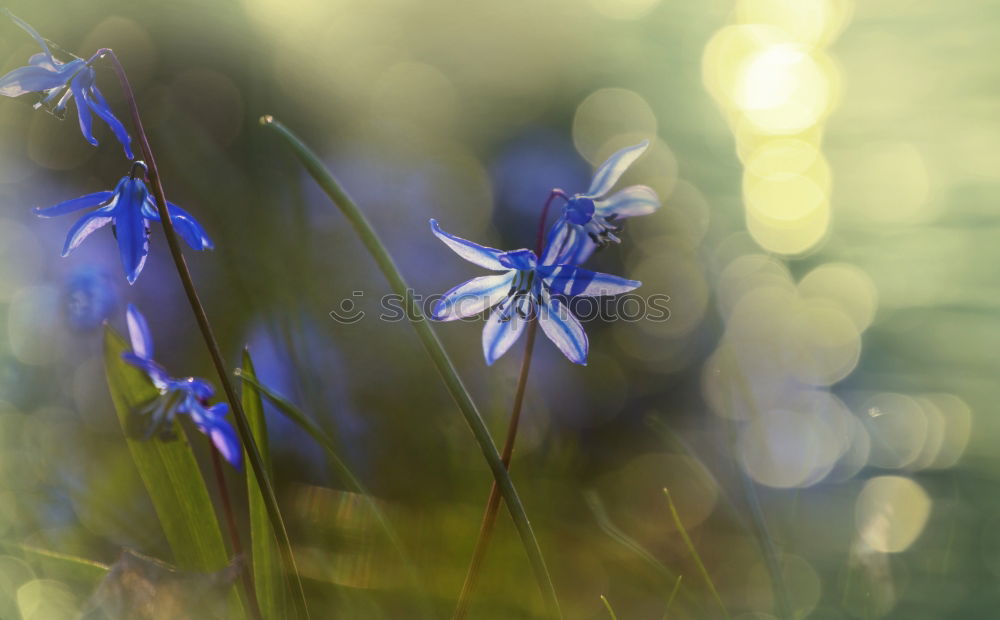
[493, 503]
[234, 533]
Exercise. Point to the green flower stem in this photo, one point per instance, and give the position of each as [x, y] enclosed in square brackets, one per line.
[434, 348]
[242, 424]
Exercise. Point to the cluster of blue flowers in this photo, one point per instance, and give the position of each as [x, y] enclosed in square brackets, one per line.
[129, 208]
[530, 285]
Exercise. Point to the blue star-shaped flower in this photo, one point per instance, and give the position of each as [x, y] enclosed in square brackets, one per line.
[187, 396]
[59, 82]
[129, 209]
[527, 284]
[590, 220]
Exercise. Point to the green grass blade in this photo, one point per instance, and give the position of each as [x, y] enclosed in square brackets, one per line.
[296, 415]
[263, 545]
[62, 565]
[673, 595]
[446, 368]
[694, 554]
[607, 605]
[168, 470]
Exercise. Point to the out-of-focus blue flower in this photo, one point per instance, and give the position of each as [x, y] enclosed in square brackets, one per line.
[57, 83]
[590, 220]
[129, 209]
[90, 297]
[189, 396]
[527, 284]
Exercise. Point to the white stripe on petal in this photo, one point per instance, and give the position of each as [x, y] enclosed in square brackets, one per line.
[612, 170]
[472, 252]
[576, 281]
[632, 201]
[472, 297]
[502, 330]
[564, 330]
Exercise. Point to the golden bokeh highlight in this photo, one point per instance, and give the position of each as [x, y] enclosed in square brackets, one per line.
[890, 513]
[610, 114]
[46, 599]
[771, 77]
[845, 285]
[898, 428]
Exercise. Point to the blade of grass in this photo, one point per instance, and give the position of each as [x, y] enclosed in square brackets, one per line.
[263, 544]
[673, 595]
[314, 166]
[296, 415]
[168, 470]
[607, 605]
[615, 533]
[68, 567]
[694, 553]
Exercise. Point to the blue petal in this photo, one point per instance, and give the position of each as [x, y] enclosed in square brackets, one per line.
[83, 111]
[200, 388]
[472, 297]
[580, 251]
[610, 171]
[138, 332]
[100, 106]
[519, 259]
[567, 245]
[472, 252]
[156, 373]
[30, 79]
[630, 202]
[211, 421]
[573, 281]
[563, 243]
[87, 225]
[186, 226]
[133, 240]
[502, 330]
[34, 33]
[564, 330]
[90, 200]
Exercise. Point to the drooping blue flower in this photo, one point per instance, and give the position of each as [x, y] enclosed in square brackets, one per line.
[188, 396]
[591, 219]
[527, 286]
[129, 209]
[58, 83]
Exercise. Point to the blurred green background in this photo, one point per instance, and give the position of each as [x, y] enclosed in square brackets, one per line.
[829, 173]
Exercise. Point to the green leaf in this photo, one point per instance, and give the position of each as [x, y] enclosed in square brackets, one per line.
[263, 545]
[169, 471]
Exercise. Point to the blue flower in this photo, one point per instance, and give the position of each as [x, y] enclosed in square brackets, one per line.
[187, 396]
[57, 83]
[526, 285]
[129, 209]
[591, 219]
[89, 297]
